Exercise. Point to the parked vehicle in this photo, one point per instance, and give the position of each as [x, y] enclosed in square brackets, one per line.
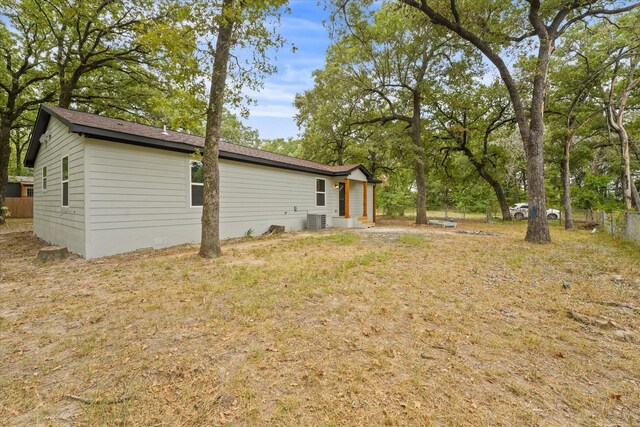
[521, 211]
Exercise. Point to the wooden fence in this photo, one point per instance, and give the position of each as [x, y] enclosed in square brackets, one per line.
[20, 207]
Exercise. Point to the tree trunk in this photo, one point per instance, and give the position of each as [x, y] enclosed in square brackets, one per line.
[210, 241]
[497, 188]
[416, 138]
[566, 181]
[5, 153]
[626, 165]
[19, 147]
[18, 161]
[421, 197]
[68, 86]
[502, 199]
[65, 96]
[537, 227]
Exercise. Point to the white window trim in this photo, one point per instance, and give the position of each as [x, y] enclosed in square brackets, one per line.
[191, 184]
[62, 181]
[45, 178]
[320, 192]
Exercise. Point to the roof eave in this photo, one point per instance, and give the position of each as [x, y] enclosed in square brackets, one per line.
[34, 140]
[127, 138]
[45, 113]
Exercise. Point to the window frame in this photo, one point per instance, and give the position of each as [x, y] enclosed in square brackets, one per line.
[64, 181]
[29, 190]
[321, 192]
[191, 184]
[44, 178]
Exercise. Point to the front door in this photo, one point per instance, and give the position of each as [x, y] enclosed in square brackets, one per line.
[341, 199]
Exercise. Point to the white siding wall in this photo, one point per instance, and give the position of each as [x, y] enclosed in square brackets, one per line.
[136, 198]
[357, 175]
[51, 222]
[256, 197]
[139, 197]
[356, 193]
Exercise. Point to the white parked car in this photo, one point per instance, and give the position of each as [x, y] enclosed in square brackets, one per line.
[521, 211]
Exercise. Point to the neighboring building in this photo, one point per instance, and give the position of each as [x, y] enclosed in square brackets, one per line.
[19, 199]
[20, 186]
[105, 186]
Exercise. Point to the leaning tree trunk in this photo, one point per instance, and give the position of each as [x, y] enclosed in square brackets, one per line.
[482, 171]
[497, 187]
[566, 182]
[416, 138]
[502, 199]
[210, 241]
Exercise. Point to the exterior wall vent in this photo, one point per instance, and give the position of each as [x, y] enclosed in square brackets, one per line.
[316, 221]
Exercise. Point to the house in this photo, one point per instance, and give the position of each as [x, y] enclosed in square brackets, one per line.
[19, 199]
[105, 186]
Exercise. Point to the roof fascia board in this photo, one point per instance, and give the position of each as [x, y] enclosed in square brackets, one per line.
[34, 140]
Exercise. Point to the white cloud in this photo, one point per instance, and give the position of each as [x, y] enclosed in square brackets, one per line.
[273, 92]
[290, 23]
[274, 110]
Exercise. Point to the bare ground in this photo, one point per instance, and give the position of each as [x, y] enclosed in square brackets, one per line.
[400, 325]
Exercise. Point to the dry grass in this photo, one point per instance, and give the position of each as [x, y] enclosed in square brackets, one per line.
[404, 326]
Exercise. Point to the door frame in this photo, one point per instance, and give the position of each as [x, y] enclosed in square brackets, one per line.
[341, 198]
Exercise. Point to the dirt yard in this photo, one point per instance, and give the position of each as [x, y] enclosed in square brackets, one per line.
[397, 326]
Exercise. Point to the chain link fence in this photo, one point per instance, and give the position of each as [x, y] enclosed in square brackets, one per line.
[623, 225]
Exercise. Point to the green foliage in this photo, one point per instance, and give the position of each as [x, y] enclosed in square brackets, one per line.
[595, 193]
[288, 147]
[236, 132]
[398, 192]
[474, 198]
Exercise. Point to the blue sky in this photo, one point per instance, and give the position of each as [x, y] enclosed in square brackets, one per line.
[273, 114]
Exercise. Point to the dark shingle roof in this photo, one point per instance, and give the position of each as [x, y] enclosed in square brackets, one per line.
[124, 131]
[21, 179]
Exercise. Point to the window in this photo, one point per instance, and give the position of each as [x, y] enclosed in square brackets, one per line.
[197, 184]
[29, 191]
[65, 181]
[44, 178]
[321, 193]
